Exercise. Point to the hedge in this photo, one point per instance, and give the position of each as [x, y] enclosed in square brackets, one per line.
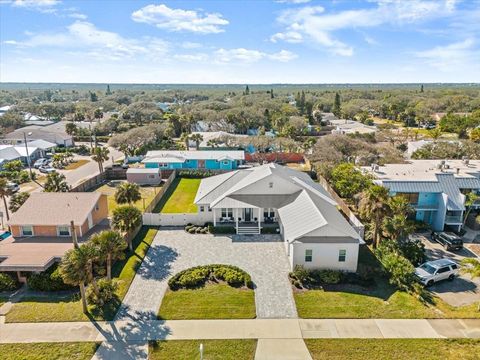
[199, 275]
[7, 283]
[48, 280]
[196, 174]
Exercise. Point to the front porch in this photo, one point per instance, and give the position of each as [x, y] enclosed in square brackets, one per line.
[246, 220]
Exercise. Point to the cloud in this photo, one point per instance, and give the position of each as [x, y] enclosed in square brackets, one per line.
[98, 43]
[283, 56]
[77, 16]
[170, 19]
[200, 57]
[451, 56]
[35, 3]
[313, 24]
[248, 56]
[191, 45]
[288, 36]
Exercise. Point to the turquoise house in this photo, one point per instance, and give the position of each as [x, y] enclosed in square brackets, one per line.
[202, 159]
[436, 189]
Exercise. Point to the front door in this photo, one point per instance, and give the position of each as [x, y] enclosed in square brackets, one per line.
[248, 215]
[201, 164]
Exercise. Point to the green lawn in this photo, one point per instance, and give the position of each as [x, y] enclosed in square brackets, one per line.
[213, 349]
[218, 301]
[179, 197]
[380, 301]
[48, 351]
[148, 193]
[58, 307]
[393, 349]
[76, 164]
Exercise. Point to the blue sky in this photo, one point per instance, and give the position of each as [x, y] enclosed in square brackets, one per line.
[263, 41]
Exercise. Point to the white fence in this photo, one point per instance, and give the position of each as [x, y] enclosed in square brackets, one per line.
[153, 219]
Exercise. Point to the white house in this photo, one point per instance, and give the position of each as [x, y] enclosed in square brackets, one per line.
[315, 233]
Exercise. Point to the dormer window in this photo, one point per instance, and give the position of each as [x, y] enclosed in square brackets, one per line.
[270, 185]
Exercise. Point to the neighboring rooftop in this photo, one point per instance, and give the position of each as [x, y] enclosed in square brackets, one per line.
[181, 156]
[55, 208]
[425, 170]
[351, 126]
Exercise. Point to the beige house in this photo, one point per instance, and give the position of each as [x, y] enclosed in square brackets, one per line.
[41, 230]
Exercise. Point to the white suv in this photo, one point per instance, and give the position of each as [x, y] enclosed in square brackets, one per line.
[437, 270]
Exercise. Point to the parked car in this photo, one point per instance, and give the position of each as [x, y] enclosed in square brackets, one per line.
[13, 187]
[40, 162]
[120, 166]
[448, 239]
[437, 270]
[47, 169]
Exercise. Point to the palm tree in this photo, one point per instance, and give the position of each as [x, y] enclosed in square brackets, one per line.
[125, 219]
[100, 155]
[4, 193]
[185, 137]
[470, 199]
[17, 200]
[70, 128]
[56, 183]
[198, 138]
[76, 268]
[127, 193]
[212, 143]
[435, 134]
[374, 205]
[110, 246]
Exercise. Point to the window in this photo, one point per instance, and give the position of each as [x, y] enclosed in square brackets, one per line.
[268, 213]
[308, 255]
[454, 267]
[63, 231]
[227, 213]
[202, 208]
[162, 165]
[342, 255]
[209, 209]
[151, 176]
[411, 197]
[270, 185]
[27, 230]
[443, 270]
[225, 162]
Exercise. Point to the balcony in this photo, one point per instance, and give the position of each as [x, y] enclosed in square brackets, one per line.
[426, 207]
[453, 219]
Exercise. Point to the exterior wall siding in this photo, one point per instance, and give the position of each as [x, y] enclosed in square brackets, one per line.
[40, 230]
[102, 212]
[325, 256]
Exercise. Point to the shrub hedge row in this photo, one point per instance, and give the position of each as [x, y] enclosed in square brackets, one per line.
[48, 280]
[7, 283]
[196, 174]
[199, 275]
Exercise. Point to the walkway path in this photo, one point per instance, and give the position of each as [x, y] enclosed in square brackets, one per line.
[142, 331]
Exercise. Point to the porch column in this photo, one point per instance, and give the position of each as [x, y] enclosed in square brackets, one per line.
[236, 219]
[214, 217]
[260, 210]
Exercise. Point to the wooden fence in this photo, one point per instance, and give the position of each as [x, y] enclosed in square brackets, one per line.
[352, 219]
[160, 193]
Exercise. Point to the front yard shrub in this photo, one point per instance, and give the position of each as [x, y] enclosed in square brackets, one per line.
[107, 289]
[194, 229]
[315, 277]
[199, 275]
[398, 268]
[48, 280]
[7, 283]
[414, 251]
[270, 230]
[196, 174]
[223, 230]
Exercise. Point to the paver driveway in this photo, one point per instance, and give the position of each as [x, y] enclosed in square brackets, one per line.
[263, 257]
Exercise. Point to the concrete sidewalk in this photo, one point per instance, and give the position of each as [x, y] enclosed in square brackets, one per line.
[141, 331]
